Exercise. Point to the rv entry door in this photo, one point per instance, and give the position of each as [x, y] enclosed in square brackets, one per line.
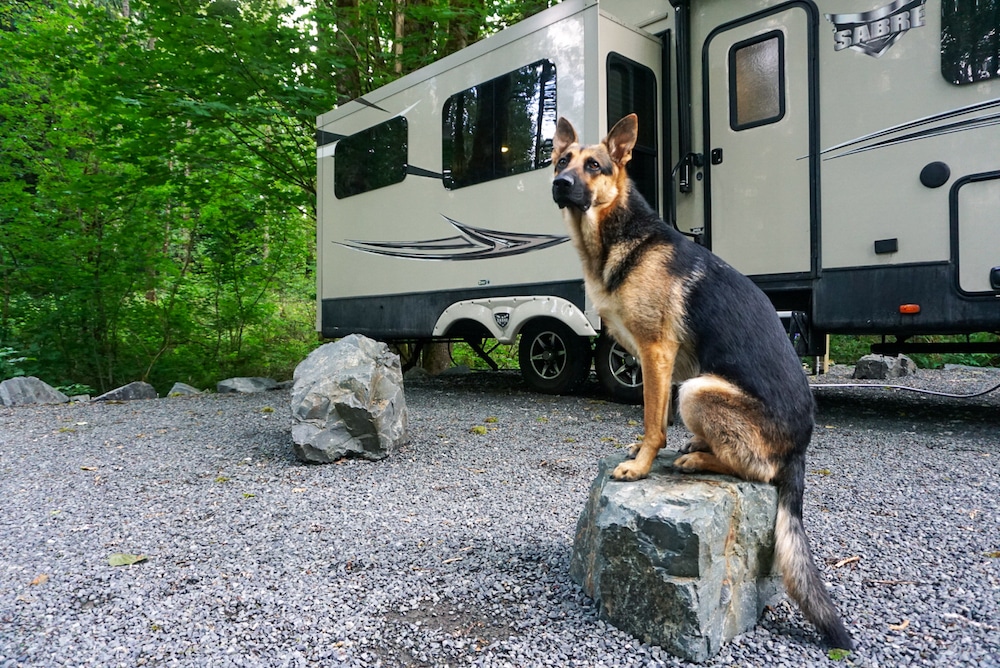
[760, 194]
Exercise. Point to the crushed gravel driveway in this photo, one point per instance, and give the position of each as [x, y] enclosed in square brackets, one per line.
[455, 550]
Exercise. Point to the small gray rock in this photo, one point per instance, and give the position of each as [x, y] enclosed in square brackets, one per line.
[131, 392]
[182, 389]
[246, 385]
[416, 374]
[882, 367]
[29, 390]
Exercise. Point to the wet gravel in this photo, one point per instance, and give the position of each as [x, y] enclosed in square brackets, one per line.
[455, 550]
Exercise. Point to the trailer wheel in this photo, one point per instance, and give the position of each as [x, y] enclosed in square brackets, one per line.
[619, 372]
[553, 358]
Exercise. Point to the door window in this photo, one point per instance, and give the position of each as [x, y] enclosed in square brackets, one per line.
[632, 89]
[757, 81]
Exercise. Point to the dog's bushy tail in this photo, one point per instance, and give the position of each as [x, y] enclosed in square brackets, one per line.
[801, 577]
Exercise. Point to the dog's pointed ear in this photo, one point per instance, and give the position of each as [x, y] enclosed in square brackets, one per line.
[621, 140]
[565, 137]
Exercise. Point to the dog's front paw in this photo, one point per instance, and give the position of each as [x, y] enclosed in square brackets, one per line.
[630, 471]
[633, 450]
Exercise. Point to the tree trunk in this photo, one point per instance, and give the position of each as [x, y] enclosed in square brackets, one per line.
[421, 35]
[398, 21]
[464, 28]
[436, 357]
[340, 46]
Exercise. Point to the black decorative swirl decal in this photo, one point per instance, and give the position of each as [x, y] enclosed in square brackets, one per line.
[474, 243]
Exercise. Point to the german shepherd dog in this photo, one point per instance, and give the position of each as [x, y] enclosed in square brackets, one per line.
[688, 316]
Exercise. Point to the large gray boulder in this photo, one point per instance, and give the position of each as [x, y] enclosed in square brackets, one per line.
[132, 392]
[347, 401]
[882, 367]
[683, 561]
[29, 390]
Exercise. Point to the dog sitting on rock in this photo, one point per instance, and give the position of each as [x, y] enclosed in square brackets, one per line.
[689, 317]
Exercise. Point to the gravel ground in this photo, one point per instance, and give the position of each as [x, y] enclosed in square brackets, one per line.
[455, 550]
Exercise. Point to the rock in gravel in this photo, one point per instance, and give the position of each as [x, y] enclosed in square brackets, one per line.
[881, 367]
[347, 401]
[29, 390]
[677, 560]
[246, 385]
[182, 390]
[131, 392]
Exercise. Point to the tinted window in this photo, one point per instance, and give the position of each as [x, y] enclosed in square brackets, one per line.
[501, 127]
[373, 158]
[632, 89]
[757, 81]
[970, 40]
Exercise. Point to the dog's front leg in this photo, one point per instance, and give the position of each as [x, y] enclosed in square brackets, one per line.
[657, 361]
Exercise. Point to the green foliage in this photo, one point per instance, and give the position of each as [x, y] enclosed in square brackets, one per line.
[75, 389]
[837, 654]
[11, 363]
[156, 191]
[504, 355]
[157, 174]
[938, 360]
[849, 349]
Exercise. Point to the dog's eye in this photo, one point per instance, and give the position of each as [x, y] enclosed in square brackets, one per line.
[593, 166]
[563, 161]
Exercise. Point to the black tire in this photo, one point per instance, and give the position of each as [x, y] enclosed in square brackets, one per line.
[553, 359]
[619, 372]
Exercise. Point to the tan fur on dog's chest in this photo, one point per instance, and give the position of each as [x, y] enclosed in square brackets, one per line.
[648, 305]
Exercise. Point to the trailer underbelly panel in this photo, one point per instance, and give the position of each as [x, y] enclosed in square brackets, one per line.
[413, 315]
[868, 299]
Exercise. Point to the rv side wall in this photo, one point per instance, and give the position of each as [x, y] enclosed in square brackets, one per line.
[396, 256]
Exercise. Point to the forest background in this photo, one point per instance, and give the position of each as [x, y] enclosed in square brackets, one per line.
[158, 178]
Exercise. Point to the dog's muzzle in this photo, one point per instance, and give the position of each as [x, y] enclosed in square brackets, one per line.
[567, 190]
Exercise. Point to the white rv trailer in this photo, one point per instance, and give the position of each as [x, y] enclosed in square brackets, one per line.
[844, 154]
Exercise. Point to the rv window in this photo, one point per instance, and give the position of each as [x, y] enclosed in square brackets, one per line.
[970, 40]
[757, 81]
[373, 158]
[632, 89]
[501, 127]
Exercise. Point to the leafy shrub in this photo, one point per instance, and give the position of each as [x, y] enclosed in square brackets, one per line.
[10, 363]
[846, 349]
[504, 355]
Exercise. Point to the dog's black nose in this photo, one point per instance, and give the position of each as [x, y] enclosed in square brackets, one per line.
[562, 189]
[564, 180]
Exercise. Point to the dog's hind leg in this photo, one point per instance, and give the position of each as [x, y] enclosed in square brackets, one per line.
[746, 443]
[694, 445]
[729, 431]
